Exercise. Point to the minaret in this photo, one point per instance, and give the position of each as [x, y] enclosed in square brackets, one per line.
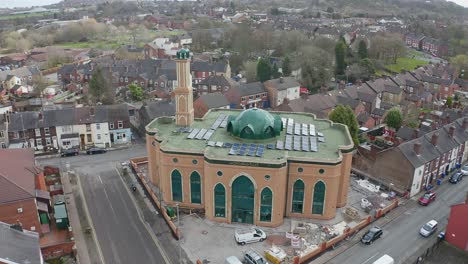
[183, 92]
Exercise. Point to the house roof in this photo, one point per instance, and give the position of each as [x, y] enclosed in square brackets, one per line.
[444, 142]
[436, 80]
[283, 83]
[203, 66]
[366, 97]
[214, 100]
[411, 83]
[406, 133]
[17, 175]
[378, 85]
[363, 117]
[216, 80]
[427, 153]
[378, 112]
[154, 109]
[60, 211]
[392, 89]
[344, 100]
[250, 88]
[19, 246]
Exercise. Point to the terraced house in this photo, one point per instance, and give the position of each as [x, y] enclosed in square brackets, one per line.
[248, 166]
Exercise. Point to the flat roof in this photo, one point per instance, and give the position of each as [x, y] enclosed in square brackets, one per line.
[336, 136]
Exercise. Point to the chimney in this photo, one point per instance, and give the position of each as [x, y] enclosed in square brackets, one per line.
[465, 123]
[281, 80]
[447, 119]
[434, 138]
[417, 148]
[415, 133]
[451, 131]
[459, 113]
[91, 111]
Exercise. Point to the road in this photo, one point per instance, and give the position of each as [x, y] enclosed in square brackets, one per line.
[122, 236]
[401, 237]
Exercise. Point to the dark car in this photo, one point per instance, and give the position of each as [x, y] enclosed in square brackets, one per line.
[455, 178]
[92, 151]
[427, 198]
[70, 152]
[371, 235]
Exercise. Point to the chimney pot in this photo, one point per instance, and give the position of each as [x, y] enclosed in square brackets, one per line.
[417, 148]
[434, 138]
[451, 131]
[91, 111]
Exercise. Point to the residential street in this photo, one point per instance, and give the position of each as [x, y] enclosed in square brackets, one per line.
[401, 237]
[122, 236]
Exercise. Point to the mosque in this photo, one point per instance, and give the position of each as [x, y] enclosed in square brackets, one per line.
[248, 166]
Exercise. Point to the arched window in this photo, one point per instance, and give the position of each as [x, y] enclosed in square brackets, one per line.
[319, 198]
[266, 198]
[298, 197]
[247, 133]
[195, 188]
[220, 200]
[176, 181]
[269, 132]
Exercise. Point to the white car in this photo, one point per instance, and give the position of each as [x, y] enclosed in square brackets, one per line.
[249, 235]
[464, 170]
[429, 228]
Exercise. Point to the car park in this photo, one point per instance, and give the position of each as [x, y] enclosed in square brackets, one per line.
[373, 234]
[429, 228]
[92, 151]
[249, 235]
[456, 177]
[69, 152]
[427, 198]
[464, 170]
[252, 257]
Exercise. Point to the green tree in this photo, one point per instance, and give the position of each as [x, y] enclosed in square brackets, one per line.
[330, 10]
[394, 118]
[316, 67]
[362, 49]
[340, 53]
[136, 92]
[345, 115]
[461, 64]
[286, 67]
[100, 89]
[263, 70]
[449, 102]
[250, 69]
[274, 72]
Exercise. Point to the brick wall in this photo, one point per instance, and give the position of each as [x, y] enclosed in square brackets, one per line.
[59, 250]
[28, 218]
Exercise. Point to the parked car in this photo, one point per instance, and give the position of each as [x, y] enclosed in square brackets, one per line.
[385, 259]
[249, 235]
[232, 260]
[429, 228]
[371, 235]
[464, 170]
[69, 152]
[456, 177]
[252, 257]
[92, 151]
[427, 198]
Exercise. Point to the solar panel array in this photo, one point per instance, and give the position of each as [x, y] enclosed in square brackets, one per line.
[279, 144]
[218, 121]
[305, 143]
[311, 130]
[224, 122]
[297, 129]
[260, 150]
[234, 148]
[252, 149]
[313, 144]
[297, 143]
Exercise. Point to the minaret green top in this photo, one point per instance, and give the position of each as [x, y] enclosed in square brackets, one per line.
[183, 54]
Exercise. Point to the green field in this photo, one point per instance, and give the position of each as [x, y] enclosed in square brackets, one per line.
[405, 64]
[6, 17]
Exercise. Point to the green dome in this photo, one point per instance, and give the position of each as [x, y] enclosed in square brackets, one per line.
[183, 54]
[255, 124]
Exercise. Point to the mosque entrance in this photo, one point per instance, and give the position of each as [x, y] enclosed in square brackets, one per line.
[243, 198]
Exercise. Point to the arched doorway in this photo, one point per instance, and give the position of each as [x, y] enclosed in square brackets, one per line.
[319, 198]
[243, 198]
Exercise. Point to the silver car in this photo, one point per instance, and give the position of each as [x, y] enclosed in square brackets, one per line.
[429, 228]
[464, 170]
[252, 257]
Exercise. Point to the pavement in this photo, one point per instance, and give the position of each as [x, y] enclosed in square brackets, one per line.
[401, 238]
[123, 236]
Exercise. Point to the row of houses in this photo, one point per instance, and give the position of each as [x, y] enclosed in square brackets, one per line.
[436, 47]
[102, 126]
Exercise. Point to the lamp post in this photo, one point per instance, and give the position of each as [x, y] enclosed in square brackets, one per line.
[178, 233]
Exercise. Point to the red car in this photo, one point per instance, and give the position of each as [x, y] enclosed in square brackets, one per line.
[427, 198]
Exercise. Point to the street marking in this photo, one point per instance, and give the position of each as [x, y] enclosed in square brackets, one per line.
[112, 208]
[145, 224]
[370, 258]
[99, 176]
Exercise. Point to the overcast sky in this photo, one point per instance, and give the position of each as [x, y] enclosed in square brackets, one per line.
[461, 2]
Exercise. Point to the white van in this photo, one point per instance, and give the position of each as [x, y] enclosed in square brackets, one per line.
[232, 260]
[249, 235]
[385, 259]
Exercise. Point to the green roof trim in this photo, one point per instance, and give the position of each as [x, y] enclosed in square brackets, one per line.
[183, 54]
[255, 124]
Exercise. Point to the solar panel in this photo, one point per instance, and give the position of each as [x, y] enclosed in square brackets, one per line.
[290, 121]
[313, 144]
[227, 145]
[297, 143]
[319, 134]
[193, 133]
[242, 150]
[271, 146]
[224, 122]
[260, 150]
[311, 130]
[219, 144]
[208, 134]
[201, 133]
[279, 144]
[211, 143]
[305, 129]
[297, 129]
[305, 143]
[321, 139]
[234, 149]
[252, 150]
[284, 121]
[289, 129]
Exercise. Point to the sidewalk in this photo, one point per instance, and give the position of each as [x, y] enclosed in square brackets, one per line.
[82, 152]
[80, 243]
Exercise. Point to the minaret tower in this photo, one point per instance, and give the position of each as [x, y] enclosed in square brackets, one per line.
[183, 92]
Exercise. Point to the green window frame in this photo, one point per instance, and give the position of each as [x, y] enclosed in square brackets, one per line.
[176, 184]
[195, 188]
[298, 197]
[220, 200]
[266, 205]
[319, 198]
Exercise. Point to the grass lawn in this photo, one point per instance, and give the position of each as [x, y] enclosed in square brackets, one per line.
[408, 64]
